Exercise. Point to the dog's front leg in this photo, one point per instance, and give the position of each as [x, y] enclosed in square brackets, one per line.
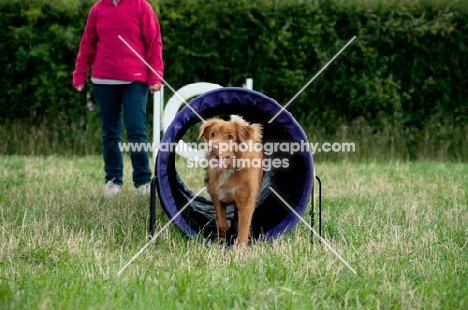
[245, 213]
[221, 221]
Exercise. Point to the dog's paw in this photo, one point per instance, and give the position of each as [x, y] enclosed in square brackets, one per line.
[221, 239]
[221, 235]
[240, 243]
[224, 225]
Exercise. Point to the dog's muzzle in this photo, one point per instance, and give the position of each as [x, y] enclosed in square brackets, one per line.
[219, 162]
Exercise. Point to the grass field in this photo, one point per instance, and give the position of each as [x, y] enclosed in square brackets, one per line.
[402, 226]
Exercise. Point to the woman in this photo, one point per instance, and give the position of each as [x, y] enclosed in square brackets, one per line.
[120, 80]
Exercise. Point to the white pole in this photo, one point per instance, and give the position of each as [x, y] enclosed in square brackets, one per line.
[249, 83]
[158, 102]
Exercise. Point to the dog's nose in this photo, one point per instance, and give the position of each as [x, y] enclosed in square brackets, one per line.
[213, 148]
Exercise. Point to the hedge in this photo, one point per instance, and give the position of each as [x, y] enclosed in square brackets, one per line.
[406, 69]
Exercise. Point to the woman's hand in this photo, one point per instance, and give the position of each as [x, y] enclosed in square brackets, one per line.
[154, 88]
[79, 87]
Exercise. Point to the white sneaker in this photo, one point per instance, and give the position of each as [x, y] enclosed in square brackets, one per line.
[111, 188]
[144, 190]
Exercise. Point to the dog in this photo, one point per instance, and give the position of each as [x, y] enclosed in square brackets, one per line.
[234, 172]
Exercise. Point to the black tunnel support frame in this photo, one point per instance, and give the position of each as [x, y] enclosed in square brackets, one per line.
[312, 209]
[153, 203]
[152, 213]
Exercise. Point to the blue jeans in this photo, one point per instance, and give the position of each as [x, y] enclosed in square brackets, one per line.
[132, 99]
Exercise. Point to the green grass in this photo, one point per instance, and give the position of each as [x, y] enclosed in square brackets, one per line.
[401, 225]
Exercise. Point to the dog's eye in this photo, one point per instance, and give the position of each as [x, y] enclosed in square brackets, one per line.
[212, 134]
[230, 137]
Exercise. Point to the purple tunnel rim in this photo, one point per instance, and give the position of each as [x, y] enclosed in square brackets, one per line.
[249, 99]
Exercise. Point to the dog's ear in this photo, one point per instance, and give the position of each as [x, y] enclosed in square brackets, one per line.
[205, 126]
[246, 132]
[257, 133]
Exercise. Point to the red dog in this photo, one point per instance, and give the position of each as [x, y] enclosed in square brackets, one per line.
[233, 176]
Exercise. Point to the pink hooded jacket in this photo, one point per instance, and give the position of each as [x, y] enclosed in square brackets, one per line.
[136, 23]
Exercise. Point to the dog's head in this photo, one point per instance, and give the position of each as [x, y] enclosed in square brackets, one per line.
[223, 138]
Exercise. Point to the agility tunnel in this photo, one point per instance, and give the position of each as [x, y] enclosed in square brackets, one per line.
[294, 183]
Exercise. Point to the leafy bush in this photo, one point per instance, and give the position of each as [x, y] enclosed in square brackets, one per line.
[404, 72]
[396, 72]
[39, 48]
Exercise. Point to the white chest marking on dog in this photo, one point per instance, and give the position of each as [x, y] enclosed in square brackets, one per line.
[224, 177]
[226, 195]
